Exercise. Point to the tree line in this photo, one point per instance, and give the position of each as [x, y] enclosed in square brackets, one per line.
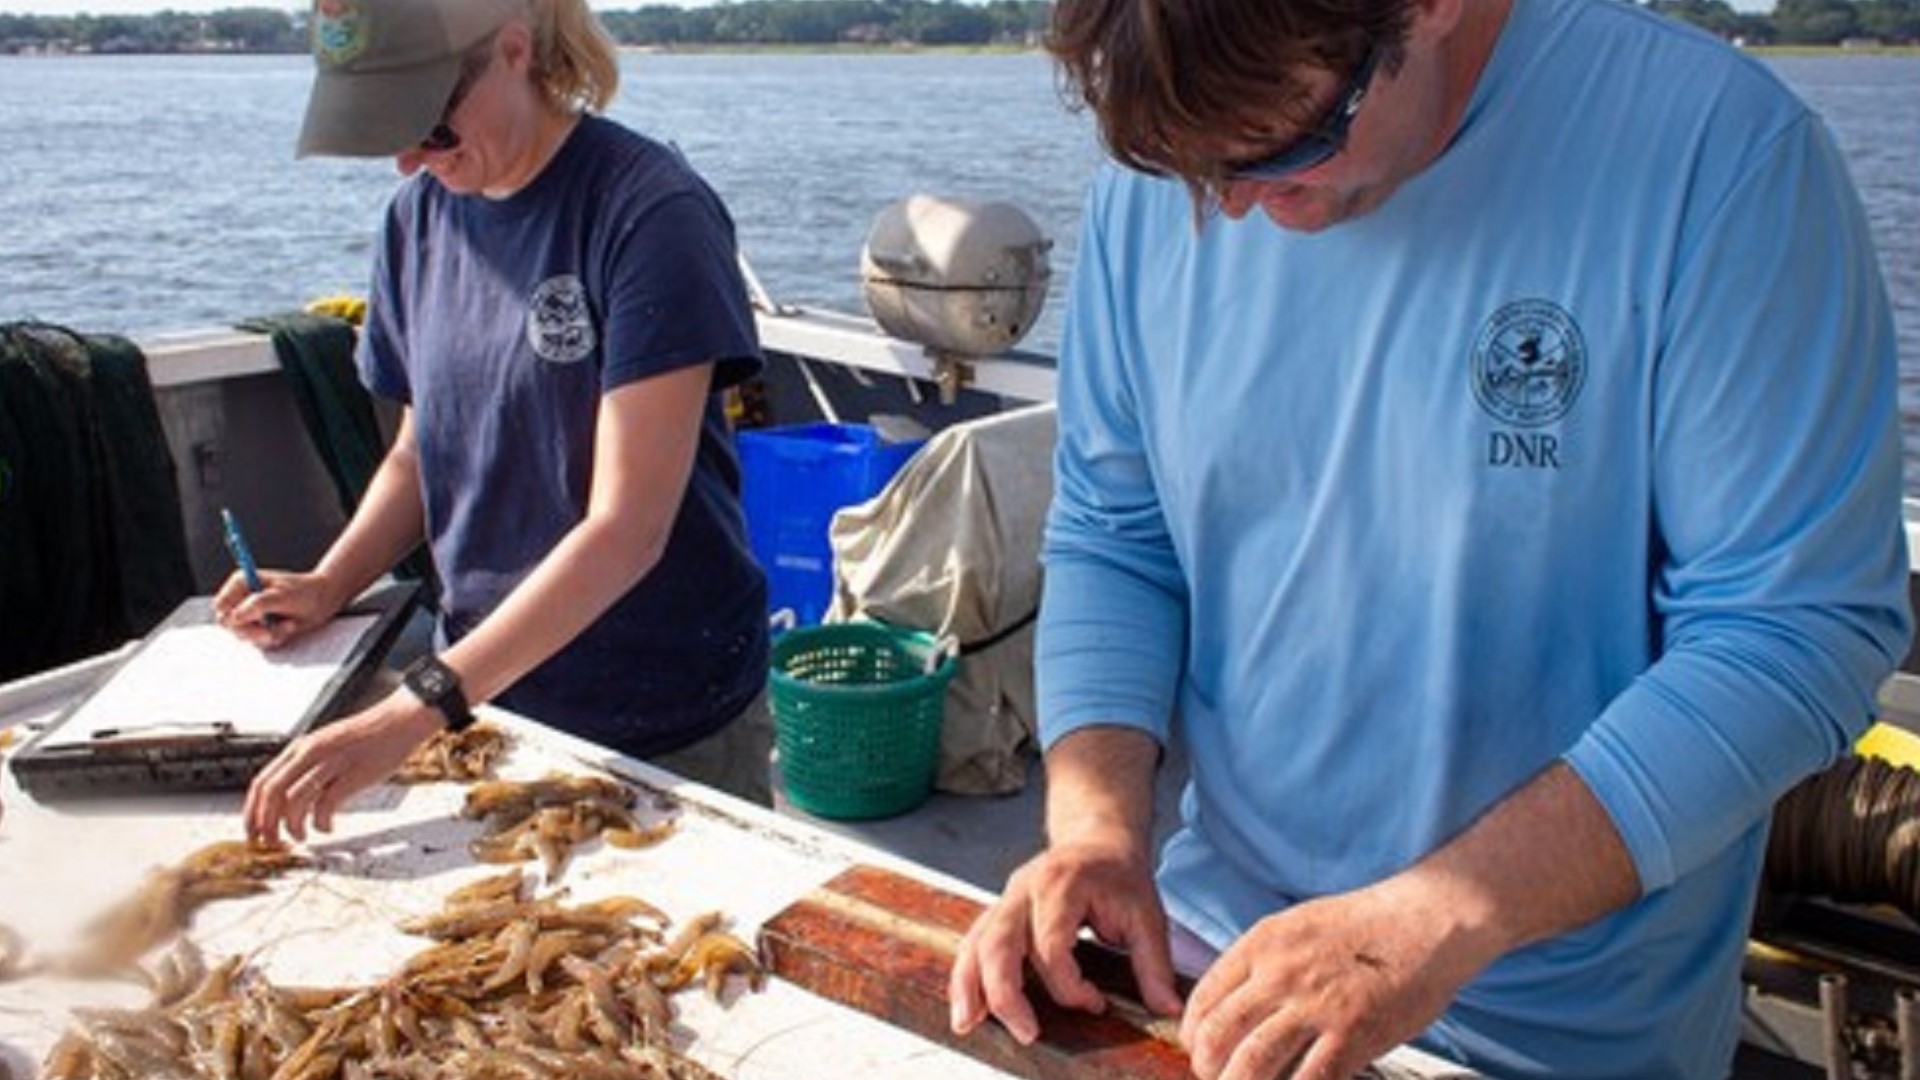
[829, 22]
[752, 22]
[862, 22]
[254, 30]
[1803, 22]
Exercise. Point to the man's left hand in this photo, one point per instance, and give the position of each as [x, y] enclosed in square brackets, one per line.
[1318, 991]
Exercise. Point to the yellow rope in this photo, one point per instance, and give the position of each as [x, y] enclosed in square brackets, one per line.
[1893, 745]
[342, 306]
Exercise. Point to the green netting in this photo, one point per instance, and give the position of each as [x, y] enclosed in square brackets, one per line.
[92, 549]
[316, 355]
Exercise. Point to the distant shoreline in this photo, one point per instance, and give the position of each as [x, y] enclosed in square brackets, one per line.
[835, 49]
[717, 48]
[1832, 50]
[860, 49]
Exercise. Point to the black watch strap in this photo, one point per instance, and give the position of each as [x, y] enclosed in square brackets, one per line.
[438, 685]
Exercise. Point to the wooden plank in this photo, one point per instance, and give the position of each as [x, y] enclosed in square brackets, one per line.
[883, 944]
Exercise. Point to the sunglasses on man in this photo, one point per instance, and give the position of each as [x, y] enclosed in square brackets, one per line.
[1321, 141]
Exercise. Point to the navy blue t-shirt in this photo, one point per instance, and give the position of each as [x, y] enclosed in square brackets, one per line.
[501, 323]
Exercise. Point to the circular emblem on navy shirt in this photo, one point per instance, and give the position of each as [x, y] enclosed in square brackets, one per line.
[1529, 363]
[559, 323]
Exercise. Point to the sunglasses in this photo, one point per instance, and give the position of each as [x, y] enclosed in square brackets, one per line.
[443, 138]
[1321, 141]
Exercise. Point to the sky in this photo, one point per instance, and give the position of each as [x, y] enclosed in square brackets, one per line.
[148, 7]
[130, 7]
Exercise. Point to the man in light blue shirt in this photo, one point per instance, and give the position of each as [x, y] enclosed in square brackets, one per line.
[1509, 517]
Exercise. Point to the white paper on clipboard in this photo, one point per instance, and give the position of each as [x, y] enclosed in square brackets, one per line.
[199, 678]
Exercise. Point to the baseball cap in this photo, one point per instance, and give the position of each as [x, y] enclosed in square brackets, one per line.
[385, 68]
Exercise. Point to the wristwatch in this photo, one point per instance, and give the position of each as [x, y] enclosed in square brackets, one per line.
[436, 684]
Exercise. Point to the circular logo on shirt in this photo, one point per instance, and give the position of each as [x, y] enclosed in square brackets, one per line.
[1529, 363]
[339, 30]
[559, 323]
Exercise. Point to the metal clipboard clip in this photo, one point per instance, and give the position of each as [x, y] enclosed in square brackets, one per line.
[164, 733]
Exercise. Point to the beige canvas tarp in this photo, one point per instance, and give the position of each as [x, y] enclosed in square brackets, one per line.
[952, 546]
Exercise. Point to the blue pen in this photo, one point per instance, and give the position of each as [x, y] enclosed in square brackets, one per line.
[242, 554]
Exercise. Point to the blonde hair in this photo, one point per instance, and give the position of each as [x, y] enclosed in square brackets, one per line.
[575, 60]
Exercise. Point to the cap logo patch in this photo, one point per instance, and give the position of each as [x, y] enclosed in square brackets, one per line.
[339, 30]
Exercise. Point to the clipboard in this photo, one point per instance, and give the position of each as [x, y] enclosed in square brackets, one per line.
[194, 708]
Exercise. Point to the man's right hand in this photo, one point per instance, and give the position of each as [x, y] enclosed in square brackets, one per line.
[1096, 873]
[1105, 883]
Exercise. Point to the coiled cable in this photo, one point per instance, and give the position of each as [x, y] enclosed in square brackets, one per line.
[1850, 833]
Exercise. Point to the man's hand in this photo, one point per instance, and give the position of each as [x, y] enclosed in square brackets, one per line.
[1096, 872]
[1320, 990]
[1100, 882]
[319, 771]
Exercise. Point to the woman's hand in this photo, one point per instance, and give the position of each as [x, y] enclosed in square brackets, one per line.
[287, 606]
[318, 772]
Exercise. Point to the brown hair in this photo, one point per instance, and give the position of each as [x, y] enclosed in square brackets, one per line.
[575, 60]
[1156, 73]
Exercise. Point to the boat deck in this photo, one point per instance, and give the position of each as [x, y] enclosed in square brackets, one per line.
[976, 839]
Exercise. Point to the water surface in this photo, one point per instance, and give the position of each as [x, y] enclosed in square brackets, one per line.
[143, 194]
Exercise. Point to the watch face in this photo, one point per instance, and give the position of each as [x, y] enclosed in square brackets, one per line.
[437, 685]
[432, 681]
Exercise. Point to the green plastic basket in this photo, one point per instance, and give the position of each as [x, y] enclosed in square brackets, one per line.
[857, 717]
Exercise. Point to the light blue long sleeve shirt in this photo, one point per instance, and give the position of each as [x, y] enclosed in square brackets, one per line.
[1583, 447]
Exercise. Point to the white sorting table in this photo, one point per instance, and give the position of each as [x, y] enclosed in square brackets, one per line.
[397, 852]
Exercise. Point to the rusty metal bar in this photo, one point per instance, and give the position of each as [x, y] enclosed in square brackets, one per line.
[1906, 1011]
[1833, 1016]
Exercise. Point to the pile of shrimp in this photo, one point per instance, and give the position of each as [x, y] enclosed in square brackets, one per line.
[543, 819]
[113, 943]
[514, 988]
[457, 756]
